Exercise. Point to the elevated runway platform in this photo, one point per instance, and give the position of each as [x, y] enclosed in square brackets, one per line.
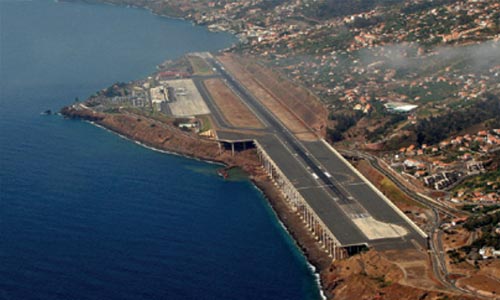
[339, 206]
[363, 218]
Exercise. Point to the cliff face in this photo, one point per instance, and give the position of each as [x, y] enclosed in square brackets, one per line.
[370, 276]
[72, 112]
[164, 136]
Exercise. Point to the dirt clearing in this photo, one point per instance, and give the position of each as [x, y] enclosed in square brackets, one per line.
[299, 119]
[234, 111]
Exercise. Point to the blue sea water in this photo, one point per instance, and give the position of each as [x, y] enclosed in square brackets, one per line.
[85, 214]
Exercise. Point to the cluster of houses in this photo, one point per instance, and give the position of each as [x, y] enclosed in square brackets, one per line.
[427, 163]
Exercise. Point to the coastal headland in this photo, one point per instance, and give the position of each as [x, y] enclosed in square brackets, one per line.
[403, 92]
[168, 111]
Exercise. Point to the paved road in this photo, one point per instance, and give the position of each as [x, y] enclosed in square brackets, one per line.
[441, 208]
[435, 242]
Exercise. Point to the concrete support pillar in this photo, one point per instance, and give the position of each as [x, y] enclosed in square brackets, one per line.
[299, 205]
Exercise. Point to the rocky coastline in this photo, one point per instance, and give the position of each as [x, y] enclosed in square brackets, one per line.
[167, 137]
[337, 280]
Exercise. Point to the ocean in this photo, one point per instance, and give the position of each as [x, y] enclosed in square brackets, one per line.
[85, 214]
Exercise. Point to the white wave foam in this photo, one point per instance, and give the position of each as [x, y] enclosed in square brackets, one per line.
[156, 149]
[310, 266]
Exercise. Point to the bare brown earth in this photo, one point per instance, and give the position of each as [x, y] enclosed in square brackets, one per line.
[467, 275]
[299, 100]
[389, 275]
[456, 238]
[235, 112]
[296, 114]
[383, 275]
[483, 278]
[163, 136]
[482, 284]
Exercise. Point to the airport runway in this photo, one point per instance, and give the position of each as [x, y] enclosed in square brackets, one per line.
[342, 199]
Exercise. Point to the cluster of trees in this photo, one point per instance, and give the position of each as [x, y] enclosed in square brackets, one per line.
[435, 129]
[335, 8]
[424, 5]
[455, 256]
[393, 120]
[483, 221]
[363, 23]
[487, 224]
[479, 209]
[340, 40]
[270, 4]
[343, 123]
[117, 89]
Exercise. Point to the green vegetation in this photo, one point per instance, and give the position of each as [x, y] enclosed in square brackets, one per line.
[487, 239]
[487, 224]
[112, 110]
[326, 40]
[480, 209]
[481, 181]
[343, 123]
[423, 6]
[200, 67]
[395, 194]
[381, 281]
[161, 117]
[333, 8]
[455, 256]
[117, 89]
[269, 4]
[434, 91]
[206, 124]
[381, 130]
[482, 221]
[435, 129]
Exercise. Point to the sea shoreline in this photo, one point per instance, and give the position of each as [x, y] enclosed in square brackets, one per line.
[312, 267]
[317, 259]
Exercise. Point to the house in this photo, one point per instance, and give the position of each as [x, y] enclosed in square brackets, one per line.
[488, 252]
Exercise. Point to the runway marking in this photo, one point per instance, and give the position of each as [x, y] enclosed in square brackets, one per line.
[357, 183]
[313, 187]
